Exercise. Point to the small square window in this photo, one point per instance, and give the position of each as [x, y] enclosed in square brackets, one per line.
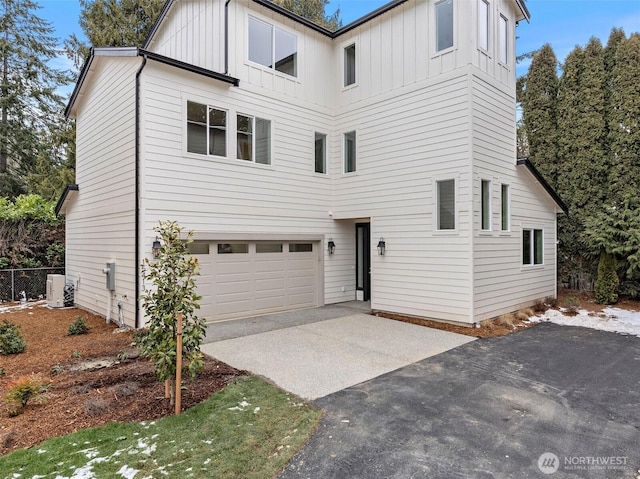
[444, 25]
[206, 130]
[350, 152]
[446, 204]
[350, 65]
[320, 154]
[273, 47]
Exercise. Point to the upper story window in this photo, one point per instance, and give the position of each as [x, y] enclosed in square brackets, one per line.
[350, 65]
[273, 47]
[486, 205]
[446, 204]
[483, 24]
[444, 25]
[350, 152]
[206, 130]
[254, 139]
[503, 39]
[320, 153]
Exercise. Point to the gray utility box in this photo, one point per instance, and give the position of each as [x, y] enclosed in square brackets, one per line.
[110, 272]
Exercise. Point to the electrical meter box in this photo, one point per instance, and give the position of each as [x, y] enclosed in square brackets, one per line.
[110, 272]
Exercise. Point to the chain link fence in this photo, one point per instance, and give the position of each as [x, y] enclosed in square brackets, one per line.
[33, 281]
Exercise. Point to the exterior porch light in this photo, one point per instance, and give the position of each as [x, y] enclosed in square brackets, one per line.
[155, 248]
[331, 246]
[382, 246]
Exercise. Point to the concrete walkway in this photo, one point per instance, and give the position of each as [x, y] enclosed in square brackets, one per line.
[312, 357]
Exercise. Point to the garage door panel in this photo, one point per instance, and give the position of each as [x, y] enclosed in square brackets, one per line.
[269, 303]
[270, 266]
[270, 285]
[307, 299]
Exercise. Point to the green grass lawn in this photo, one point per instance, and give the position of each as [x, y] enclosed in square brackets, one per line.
[248, 430]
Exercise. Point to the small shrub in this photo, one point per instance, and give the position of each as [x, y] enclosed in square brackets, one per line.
[540, 306]
[571, 305]
[506, 321]
[3, 371]
[487, 324]
[57, 369]
[22, 390]
[607, 283]
[551, 302]
[529, 312]
[11, 339]
[79, 326]
[76, 354]
[521, 315]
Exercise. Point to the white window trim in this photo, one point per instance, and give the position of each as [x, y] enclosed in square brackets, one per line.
[270, 21]
[344, 48]
[185, 128]
[253, 140]
[507, 40]
[533, 264]
[344, 152]
[436, 213]
[489, 27]
[508, 230]
[489, 206]
[326, 154]
[434, 36]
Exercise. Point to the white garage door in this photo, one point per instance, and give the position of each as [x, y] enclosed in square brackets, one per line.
[241, 279]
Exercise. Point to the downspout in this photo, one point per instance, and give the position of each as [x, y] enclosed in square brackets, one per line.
[137, 193]
[226, 37]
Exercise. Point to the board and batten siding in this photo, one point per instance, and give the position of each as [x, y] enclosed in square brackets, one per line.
[100, 221]
[501, 283]
[215, 195]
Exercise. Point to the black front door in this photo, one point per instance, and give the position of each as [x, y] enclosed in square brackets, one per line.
[363, 260]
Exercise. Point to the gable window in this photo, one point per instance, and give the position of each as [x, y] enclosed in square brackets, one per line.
[504, 210]
[320, 153]
[486, 204]
[350, 65]
[444, 25]
[483, 24]
[254, 139]
[206, 130]
[503, 34]
[446, 204]
[350, 152]
[532, 247]
[273, 47]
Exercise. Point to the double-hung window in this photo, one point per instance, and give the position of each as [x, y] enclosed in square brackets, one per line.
[253, 139]
[444, 25]
[206, 130]
[503, 40]
[350, 65]
[446, 204]
[485, 205]
[532, 247]
[273, 47]
[350, 152]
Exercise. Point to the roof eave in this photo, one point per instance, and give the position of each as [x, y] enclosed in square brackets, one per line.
[524, 10]
[71, 187]
[538, 176]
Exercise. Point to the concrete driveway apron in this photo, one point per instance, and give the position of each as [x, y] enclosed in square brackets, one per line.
[332, 349]
[550, 401]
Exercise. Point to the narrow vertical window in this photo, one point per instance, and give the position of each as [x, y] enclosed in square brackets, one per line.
[350, 65]
[483, 24]
[350, 152]
[446, 204]
[196, 128]
[286, 56]
[503, 33]
[245, 137]
[486, 204]
[504, 211]
[537, 247]
[263, 141]
[444, 25]
[254, 139]
[217, 132]
[320, 153]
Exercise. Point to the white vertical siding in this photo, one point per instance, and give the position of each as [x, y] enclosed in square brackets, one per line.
[100, 221]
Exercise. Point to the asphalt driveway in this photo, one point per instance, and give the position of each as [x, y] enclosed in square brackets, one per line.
[550, 401]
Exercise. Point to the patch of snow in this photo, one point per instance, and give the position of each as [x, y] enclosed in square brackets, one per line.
[128, 472]
[207, 461]
[19, 307]
[614, 320]
[41, 451]
[256, 410]
[146, 447]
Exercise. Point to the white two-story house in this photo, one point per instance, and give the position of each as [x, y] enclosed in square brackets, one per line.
[374, 163]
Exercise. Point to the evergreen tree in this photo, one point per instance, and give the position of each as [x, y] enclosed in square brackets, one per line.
[539, 102]
[29, 104]
[313, 10]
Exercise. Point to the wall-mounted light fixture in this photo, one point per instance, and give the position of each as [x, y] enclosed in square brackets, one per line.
[382, 246]
[155, 248]
[331, 246]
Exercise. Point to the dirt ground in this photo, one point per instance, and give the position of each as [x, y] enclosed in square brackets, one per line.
[79, 398]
